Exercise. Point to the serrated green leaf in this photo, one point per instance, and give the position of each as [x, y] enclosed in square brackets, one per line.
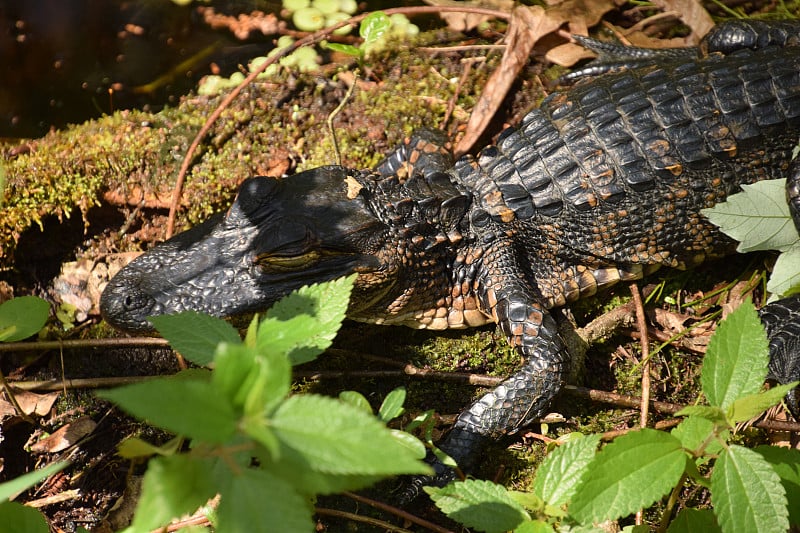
[694, 521]
[304, 323]
[24, 482]
[786, 463]
[528, 500]
[356, 399]
[188, 407]
[195, 335]
[22, 317]
[392, 405]
[736, 360]
[479, 504]
[747, 493]
[709, 412]
[18, 518]
[749, 406]
[562, 470]
[337, 438]
[785, 277]
[255, 501]
[758, 217]
[172, 486]
[694, 431]
[632, 472]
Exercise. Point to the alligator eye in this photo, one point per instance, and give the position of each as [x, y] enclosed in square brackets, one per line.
[287, 262]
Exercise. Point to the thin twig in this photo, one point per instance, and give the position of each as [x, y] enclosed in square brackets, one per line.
[334, 138]
[397, 512]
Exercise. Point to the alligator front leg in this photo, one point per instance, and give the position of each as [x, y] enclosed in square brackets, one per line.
[506, 292]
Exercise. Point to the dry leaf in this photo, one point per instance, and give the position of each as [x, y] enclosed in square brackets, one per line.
[692, 13]
[36, 404]
[462, 22]
[65, 436]
[527, 25]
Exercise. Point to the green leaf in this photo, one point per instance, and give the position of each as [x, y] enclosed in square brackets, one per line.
[709, 412]
[411, 442]
[134, 448]
[479, 504]
[24, 482]
[374, 26]
[356, 399]
[22, 317]
[747, 493]
[348, 49]
[749, 406]
[172, 486]
[256, 501]
[18, 518]
[534, 526]
[304, 323]
[195, 335]
[758, 217]
[338, 438]
[253, 383]
[187, 406]
[392, 405]
[632, 472]
[562, 470]
[736, 361]
[694, 520]
[694, 430]
[785, 277]
[786, 463]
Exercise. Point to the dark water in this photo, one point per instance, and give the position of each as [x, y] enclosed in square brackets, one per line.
[66, 61]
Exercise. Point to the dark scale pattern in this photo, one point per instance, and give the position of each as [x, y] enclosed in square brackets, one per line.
[606, 182]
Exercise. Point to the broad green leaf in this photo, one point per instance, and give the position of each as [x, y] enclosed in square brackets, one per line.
[694, 521]
[255, 501]
[529, 501]
[195, 335]
[337, 438]
[747, 493]
[135, 448]
[709, 412]
[18, 518]
[356, 399]
[786, 463]
[632, 472]
[479, 504]
[785, 277]
[563, 469]
[304, 323]
[758, 217]
[411, 442]
[694, 431]
[188, 407]
[534, 526]
[22, 317]
[392, 405]
[24, 482]
[736, 361]
[172, 486]
[747, 407]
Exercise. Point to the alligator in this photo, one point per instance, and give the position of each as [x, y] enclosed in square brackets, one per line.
[605, 182]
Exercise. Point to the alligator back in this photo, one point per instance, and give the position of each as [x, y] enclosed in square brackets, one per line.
[616, 171]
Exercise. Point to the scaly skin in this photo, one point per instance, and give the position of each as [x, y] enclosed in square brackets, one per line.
[605, 182]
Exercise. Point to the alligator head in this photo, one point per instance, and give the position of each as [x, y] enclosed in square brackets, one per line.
[279, 235]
